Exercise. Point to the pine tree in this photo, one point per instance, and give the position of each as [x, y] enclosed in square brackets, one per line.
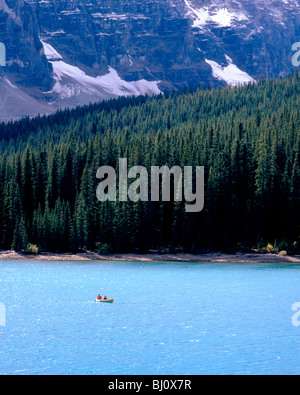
[20, 240]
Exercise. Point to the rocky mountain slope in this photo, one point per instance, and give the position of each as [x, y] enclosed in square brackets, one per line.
[63, 53]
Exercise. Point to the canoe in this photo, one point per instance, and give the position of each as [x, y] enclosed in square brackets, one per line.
[105, 301]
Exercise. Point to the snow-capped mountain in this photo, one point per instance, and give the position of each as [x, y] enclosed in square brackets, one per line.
[63, 53]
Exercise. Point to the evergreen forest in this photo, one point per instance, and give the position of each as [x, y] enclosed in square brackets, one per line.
[247, 138]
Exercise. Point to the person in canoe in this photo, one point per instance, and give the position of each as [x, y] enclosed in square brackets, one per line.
[105, 298]
[99, 297]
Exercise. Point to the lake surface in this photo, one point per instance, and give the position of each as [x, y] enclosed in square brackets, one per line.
[168, 318]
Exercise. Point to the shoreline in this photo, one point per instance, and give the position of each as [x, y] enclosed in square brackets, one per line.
[153, 257]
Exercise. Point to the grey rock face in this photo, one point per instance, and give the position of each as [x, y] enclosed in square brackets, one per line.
[165, 41]
[19, 31]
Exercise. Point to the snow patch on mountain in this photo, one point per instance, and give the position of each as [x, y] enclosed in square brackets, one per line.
[71, 81]
[50, 52]
[231, 74]
[221, 16]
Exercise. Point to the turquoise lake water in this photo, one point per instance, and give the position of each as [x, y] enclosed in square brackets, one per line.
[168, 318]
